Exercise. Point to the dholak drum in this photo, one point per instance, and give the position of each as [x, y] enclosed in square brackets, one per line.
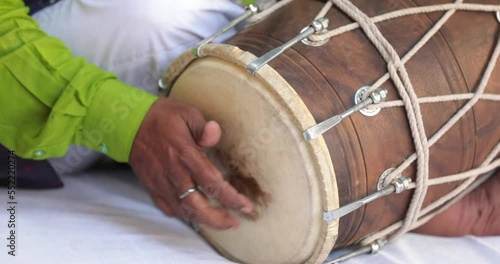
[295, 182]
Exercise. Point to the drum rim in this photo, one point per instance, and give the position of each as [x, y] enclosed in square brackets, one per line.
[326, 179]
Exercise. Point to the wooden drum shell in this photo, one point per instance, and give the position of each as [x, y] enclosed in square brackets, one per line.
[322, 81]
[327, 77]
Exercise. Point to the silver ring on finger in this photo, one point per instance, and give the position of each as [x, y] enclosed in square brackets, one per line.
[187, 193]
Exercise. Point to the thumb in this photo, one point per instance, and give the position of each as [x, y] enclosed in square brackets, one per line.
[211, 134]
[206, 134]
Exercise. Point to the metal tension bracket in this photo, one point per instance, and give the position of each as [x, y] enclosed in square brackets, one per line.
[371, 248]
[374, 98]
[316, 26]
[397, 186]
[250, 10]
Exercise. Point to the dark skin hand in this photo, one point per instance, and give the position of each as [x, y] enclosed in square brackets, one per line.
[167, 156]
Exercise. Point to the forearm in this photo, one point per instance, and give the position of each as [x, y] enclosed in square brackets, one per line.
[51, 99]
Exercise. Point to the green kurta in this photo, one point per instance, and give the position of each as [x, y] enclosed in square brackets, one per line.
[50, 99]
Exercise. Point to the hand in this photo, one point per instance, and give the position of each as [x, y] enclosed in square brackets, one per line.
[167, 156]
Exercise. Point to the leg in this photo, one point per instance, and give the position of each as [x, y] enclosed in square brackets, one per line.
[134, 39]
[478, 213]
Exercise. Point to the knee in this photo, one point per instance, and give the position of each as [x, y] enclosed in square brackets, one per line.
[181, 21]
[136, 40]
[154, 33]
[172, 25]
[128, 26]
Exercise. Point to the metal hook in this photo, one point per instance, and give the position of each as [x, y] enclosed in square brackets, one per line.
[315, 131]
[317, 25]
[372, 248]
[250, 11]
[398, 185]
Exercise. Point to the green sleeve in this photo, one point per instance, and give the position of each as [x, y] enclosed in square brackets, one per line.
[50, 99]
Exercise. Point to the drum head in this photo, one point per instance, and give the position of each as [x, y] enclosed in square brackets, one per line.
[264, 155]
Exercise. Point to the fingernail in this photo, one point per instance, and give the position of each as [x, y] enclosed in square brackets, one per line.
[246, 210]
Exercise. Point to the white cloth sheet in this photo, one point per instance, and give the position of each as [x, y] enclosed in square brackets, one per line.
[103, 217]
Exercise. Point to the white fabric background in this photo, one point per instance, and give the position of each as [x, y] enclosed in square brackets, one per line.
[105, 217]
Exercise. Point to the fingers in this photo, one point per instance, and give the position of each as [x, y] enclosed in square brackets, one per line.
[161, 190]
[195, 207]
[167, 155]
[206, 134]
[211, 180]
[163, 205]
[195, 122]
[223, 192]
[211, 134]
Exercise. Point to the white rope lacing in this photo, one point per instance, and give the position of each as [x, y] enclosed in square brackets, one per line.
[416, 214]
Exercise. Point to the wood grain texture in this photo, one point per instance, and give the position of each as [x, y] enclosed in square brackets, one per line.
[361, 148]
